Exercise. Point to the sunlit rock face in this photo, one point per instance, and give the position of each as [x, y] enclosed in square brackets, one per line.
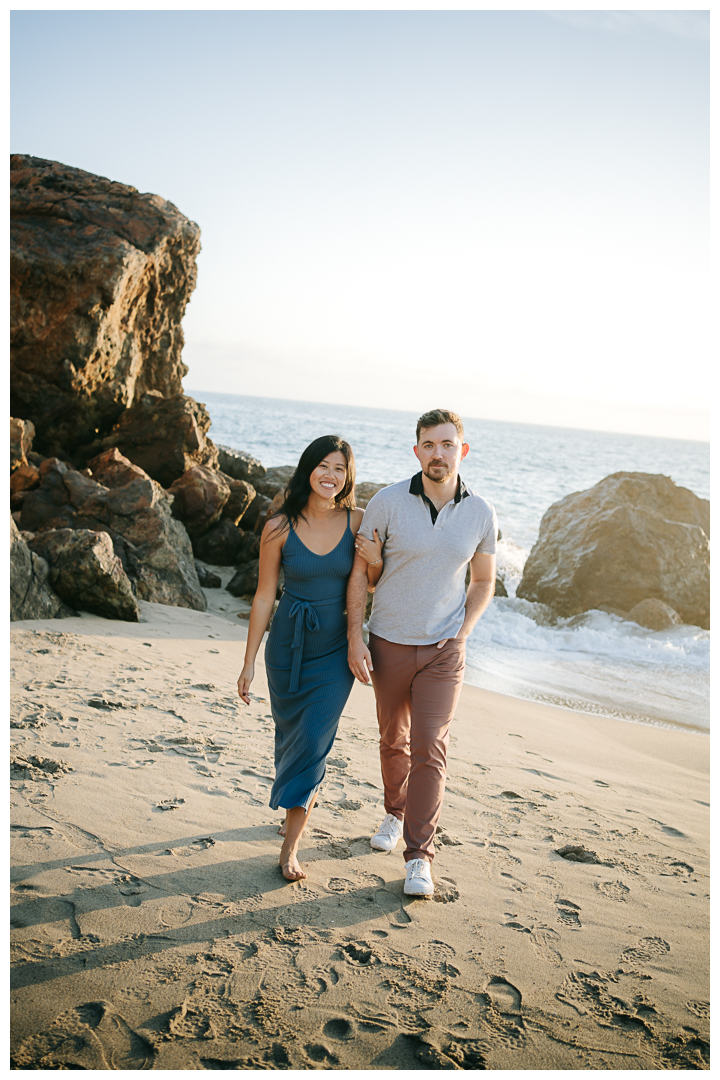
[631, 537]
[100, 279]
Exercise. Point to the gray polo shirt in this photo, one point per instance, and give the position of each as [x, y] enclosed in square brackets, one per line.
[420, 597]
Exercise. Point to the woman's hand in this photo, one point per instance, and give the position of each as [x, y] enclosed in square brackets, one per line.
[246, 677]
[369, 550]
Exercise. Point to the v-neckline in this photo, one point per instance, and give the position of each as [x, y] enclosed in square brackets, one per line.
[327, 552]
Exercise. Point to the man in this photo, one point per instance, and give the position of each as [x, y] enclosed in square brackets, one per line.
[431, 527]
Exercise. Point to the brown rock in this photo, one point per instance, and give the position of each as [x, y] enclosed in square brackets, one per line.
[207, 578]
[221, 545]
[199, 497]
[241, 495]
[22, 433]
[634, 536]
[364, 493]
[275, 480]
[256, 511]
[86, 572]
[239, 465]
[121, 500]
[654, 615]
[31, 596]
[165, 436]
[100, 278]
[245, 581]
[24, 479]
[249, 547]
[268, 510]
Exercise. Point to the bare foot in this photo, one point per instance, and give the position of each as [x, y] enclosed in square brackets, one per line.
[291, 868]
[283, 828]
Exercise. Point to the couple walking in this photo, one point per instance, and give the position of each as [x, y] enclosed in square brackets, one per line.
[411, 546]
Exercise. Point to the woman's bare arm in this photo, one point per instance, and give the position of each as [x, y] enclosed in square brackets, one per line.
[271, 545]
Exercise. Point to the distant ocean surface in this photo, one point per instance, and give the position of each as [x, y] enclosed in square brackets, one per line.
[595, 662]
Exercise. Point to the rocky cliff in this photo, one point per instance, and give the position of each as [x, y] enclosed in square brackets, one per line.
[100, 278]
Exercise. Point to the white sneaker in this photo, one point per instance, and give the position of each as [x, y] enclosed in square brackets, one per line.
[387, 836]
[417, 878]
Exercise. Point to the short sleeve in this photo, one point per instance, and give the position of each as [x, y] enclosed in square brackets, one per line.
[375, 517]
[488, 542]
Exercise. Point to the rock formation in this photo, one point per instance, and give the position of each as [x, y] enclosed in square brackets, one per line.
[31, 596]
[220, 546]
[631, 537]
[239, 465]
[274, 481]
[100, 278]
[120, 499]
[199, 497]
[165, 436]
[86, 572]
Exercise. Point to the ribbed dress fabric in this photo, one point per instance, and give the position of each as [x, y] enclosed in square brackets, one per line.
[306, 663]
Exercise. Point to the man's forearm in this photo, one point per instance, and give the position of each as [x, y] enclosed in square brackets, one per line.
[356, 594]
[478, 598]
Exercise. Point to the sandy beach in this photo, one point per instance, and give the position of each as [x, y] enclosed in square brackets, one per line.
[152, 928]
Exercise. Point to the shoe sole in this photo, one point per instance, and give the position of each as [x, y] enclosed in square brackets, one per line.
[417, 892]
[381, 847]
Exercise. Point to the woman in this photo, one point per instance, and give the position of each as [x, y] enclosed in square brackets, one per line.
[312, 536]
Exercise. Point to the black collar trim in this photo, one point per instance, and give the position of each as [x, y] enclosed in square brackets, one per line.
[416, 488]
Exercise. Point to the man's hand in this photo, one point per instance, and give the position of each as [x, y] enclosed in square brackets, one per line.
[360, 660]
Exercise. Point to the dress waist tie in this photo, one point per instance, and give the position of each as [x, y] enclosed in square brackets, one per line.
[305, 616]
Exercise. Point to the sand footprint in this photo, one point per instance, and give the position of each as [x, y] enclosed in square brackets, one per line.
[568, 914]
[320, 1054]
[614, 890]
[648, 948]
[446, 891]
[505, 997]
[91, 1036]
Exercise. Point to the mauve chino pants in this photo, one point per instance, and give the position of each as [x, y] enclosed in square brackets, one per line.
[416, 689]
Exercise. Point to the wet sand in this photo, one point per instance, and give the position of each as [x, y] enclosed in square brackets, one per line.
[152, 927]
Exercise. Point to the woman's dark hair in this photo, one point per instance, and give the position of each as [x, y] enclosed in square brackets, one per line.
[298, 490]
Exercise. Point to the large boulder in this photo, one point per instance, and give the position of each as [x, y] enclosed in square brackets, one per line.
[239, 465]
[31, 596]
[86, 572]
[221, 545]
[199, 496]
[100, 278]
[165, 436]
[22, 433]
[631, 537]
[120, 499]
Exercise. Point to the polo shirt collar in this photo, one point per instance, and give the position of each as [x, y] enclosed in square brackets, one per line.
[416, 488]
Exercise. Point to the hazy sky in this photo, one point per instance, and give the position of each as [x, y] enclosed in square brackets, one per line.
[505, 213]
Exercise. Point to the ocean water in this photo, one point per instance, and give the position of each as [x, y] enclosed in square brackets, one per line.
[595, 662]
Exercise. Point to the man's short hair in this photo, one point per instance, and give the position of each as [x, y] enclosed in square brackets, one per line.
[438, 416]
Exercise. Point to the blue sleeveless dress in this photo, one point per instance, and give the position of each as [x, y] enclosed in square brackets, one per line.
[307, 668]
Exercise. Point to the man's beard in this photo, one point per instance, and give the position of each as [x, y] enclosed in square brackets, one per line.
[437, 465]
